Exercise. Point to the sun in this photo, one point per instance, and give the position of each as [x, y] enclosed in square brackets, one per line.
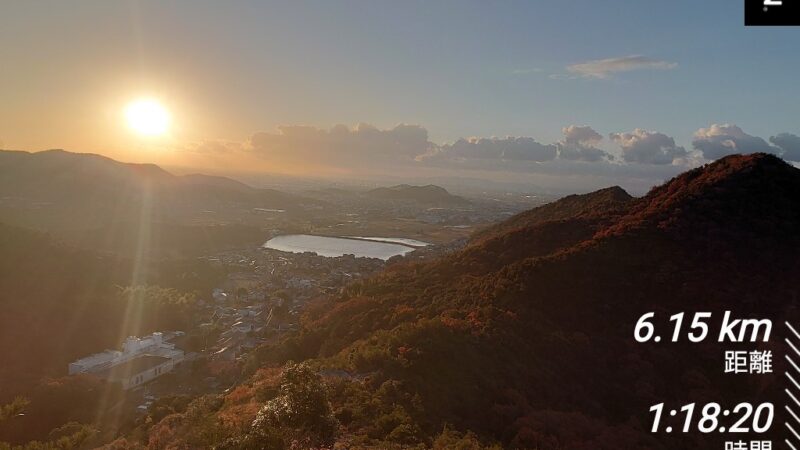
[147, 117]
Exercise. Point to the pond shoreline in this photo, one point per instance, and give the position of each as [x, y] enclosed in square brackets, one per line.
[335, 246]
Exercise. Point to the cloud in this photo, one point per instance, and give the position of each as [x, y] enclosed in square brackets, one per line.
[503, 149]
[717, 141]
[575, 163]
[214, 147]
[789, 145]
[646, 147]
[579, 144]
[560, 175]
[575, 134]
[604, 68]
[341, 145]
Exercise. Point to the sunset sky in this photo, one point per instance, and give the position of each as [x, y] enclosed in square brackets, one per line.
[590, 90]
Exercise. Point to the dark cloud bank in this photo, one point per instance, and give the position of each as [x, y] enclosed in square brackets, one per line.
[581, 159]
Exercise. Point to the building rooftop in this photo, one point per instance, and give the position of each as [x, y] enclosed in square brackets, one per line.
[98, 358]
[133, 367]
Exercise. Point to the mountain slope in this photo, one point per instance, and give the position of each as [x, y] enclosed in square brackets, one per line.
[59, 303]
[600, 202]
[525, 338]
[536, 351]
[754, 194]
[57, 189]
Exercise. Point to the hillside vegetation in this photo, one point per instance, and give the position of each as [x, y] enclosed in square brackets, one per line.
[525, 338]
[59, 303]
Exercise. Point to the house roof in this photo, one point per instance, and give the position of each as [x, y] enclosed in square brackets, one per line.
[133, 367]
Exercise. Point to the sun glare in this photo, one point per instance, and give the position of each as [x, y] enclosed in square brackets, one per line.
[147, 117]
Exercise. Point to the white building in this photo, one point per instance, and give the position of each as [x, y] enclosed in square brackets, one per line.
[137, 371]
[140, 360]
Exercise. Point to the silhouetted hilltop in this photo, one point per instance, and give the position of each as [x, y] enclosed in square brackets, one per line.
[604, 201]
[429, 195]
[753, 194]
[220, 182]
[56, 189]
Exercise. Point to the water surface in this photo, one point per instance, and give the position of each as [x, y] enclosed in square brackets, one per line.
[334, 246]
[404, 241]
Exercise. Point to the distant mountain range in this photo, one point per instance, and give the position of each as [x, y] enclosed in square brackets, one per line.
[427, 195]
[59, 189]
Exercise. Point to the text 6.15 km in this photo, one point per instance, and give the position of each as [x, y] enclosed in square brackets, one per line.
[696, 328]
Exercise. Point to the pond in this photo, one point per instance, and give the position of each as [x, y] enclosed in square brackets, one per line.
[336, 246]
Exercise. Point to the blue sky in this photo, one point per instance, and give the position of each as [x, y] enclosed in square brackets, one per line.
[451, 65]
[457, 68]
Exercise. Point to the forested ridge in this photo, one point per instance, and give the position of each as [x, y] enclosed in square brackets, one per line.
[59, 303]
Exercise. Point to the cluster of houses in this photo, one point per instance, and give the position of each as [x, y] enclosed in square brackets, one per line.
[245, 308]
[142, 359]
[246, 305]
[244, 328]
